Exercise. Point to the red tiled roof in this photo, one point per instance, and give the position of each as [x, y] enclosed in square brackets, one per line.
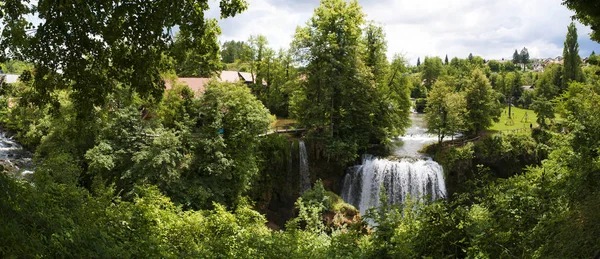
[247, 76]
[198, 85]
[229, 76]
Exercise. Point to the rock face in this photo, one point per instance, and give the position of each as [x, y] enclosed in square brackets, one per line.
[288, 176]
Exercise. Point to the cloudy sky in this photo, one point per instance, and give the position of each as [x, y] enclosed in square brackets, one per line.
[418, 28]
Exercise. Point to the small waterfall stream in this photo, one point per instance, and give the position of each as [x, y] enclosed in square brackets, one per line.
[412, 174]
[304, 170]
[15, 160]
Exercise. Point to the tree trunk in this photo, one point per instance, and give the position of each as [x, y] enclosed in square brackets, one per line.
[509, 108]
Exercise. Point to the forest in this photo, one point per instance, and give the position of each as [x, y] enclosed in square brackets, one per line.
[106, 153]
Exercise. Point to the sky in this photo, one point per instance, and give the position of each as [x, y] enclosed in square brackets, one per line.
[419, 28]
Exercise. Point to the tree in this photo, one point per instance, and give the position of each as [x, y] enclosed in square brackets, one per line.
[255, 55]
[524, 57]
[193, 60]
[418, 61]
[516, 58]
[544, 109]
[231, 118]
[338, 99]
[586, 11]
[470, 57]
[594, 59]
[282, 81]
[15, 67]
[376, 48]
[508, 66]
[512, 89]
[432, 70]
[232, 51]
[445, 111]
[547, 88]
[446, 60]
[123, 44]
[482, 103]
[494, 65]
[392, 85]
[549, 83]
[572, 61]
[395, 100]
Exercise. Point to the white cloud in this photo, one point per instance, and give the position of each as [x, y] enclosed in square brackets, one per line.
[277, 23]
[491, 29]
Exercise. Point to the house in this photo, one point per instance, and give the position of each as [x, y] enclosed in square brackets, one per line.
[198, 84]
[9, 78]
[538, 67]
[528, 87]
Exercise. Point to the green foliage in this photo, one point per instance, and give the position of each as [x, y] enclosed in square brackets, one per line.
[106, 158]
[548, 87]
[594, 59]
[197, 57]
[178, 108]
[328, 201]
[445, 111]
[482, 103]
[432, 70]
[586, 12]
[506, 154]
[15, 67]
[516, 59]
[420, 105]
[572, 61]
[71, 50]
[511, 87]
[394, 101]
[65, 221]
[281, 79]
[317, 196]
[494, 65]
[524, 57]
[508, 66]
[339, 101]
[232, 51]
[544, 109]
[231, 118]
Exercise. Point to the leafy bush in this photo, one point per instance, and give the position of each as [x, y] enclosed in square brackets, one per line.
[420, 105]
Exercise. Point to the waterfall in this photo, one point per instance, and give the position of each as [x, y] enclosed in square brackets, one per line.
[419, 179]
[304, 172]
[410, 174]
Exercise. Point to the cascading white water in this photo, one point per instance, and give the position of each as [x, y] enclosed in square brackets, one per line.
[419, 179]
[304, 171]
[290, 166]
[414, 174]
[13, 157]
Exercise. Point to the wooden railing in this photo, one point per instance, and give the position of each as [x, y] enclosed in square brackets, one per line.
[459, 142]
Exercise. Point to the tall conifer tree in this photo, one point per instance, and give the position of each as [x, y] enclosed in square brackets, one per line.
[572, 61]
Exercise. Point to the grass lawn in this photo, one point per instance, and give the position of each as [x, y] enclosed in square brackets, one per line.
[521, 120]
